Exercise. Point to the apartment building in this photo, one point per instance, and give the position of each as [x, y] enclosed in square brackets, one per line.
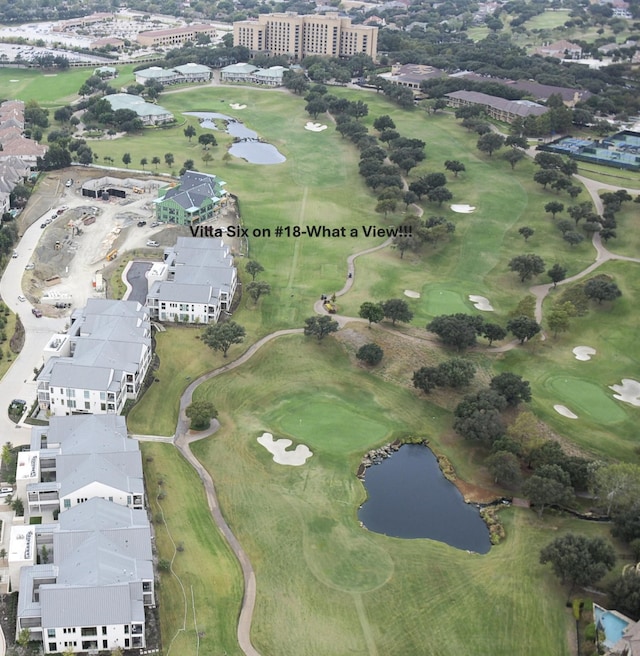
[297, 36]
[175, 36]
[497, 108]
[100, 362]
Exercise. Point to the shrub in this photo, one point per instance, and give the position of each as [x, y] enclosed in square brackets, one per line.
[370, 354]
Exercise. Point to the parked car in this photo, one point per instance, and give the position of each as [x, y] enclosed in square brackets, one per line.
[15, 254]
[61, 306]
[68, 183]
[21, 298]
[141, 224]
[155, 224]
[37, 313]
[5, 492]
[43, 225]
[152, 243]
[30, 266]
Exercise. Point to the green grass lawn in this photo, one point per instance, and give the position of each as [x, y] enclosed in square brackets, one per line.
[53, 90]
[327, 586]
[548, 20]
[200, 599]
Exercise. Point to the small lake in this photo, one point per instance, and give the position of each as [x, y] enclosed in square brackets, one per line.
[248, 147]
[408, 497]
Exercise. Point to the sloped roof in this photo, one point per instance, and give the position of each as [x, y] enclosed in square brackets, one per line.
[516, 107]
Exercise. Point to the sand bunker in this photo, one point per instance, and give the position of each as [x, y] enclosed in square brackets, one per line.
[411, 294]
[481, 303]
[463, 209]
[315, 127]
[278, 448]
[629, 391]
[237, 106]
[565, 412]
[14, 80]
[583, 353]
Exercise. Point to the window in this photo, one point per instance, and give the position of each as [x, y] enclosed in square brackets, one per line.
[126, 642]
[87, 405]
[105, 644]
[67, 504]
[86, 394]
[51, 633]
[53, 646]
[104, 630]
[126, 628]
[128, 500]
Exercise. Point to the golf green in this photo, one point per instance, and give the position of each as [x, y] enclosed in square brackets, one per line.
[443, 301]
[327, 423]
[586, 398]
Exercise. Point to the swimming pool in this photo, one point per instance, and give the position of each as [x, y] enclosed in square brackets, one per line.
[613, 624]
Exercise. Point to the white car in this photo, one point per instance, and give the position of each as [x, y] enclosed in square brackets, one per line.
[15, 254]
[152, 243]
[30, 266]
[21, 298]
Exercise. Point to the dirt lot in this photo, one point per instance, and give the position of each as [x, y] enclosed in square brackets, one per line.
[74, 244]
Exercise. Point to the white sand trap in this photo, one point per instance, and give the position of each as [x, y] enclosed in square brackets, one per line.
[583, 353]
[565, 412]
[629, 391]
[481, 303]
[315, 127]
[237, 106]
[411, 294]
[278, 448]
[14, 80]
[463, 209]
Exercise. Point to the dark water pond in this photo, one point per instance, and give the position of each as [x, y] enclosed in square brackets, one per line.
[410, 498]
[248, 147]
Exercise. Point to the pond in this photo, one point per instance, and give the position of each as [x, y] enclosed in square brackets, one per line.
[248, 146]
[409, 497]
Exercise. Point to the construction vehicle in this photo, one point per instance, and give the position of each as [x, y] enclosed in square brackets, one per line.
[111, 255]
[330, 307]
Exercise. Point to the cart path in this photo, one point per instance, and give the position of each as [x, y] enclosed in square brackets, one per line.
[183, 437]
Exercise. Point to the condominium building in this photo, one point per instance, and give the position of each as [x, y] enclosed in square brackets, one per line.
[100, 362]
[297, 36]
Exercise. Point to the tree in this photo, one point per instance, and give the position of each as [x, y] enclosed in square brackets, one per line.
[490, 142]
[512, 387]
[258, 289]
[17, 505]
[439, 195]
[426, 379]
[201, 413]
[370, 354]
[493, 332]
[384, 122]
[454, 166]
[527, 266]
[523, 328]
[24, 637]
[514, 156]
[206, 140]
[600, 289]
[578, 559]
[543, 491]
[573, 238]
[564, 225]
[207, 157]
[526, 232]
[220, 336]
[253, 268]
[126, 159]
[504, 467]
[617, 485]
[143, 162]
[553, 208]
[372, 312]
[155, 160]
[477, 417]
[169, 159]
[557, 273]
[320, 326]
[456, 372]
[516, 141]
[397, 309]
[558, 320]
[546, 177]
[189, 132]
[527, 433]
[624, 593]
[386, 205]
[457, 330]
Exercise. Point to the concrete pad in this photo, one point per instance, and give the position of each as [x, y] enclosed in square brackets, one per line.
[629, 391]
[411, 294]
[565, 412]
[463, 209]
[481, 303]
[278, 448]
[583, 353]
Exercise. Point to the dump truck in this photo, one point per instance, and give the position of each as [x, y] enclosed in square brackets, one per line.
[111, 255]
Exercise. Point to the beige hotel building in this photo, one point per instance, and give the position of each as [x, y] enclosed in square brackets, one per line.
[300, 36]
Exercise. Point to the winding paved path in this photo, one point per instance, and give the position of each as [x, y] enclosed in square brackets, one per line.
[184, 437]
